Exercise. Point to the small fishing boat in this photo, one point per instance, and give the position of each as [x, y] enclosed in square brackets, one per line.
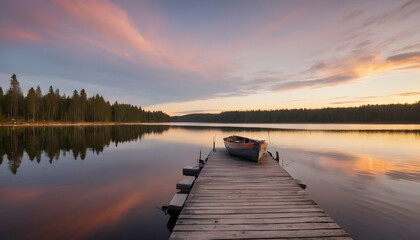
[245, 147]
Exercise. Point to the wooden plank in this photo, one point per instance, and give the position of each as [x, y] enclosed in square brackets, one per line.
[245, 201]
[233, 207]
[185, 184]
[253, 187]
[177, 202]
[257, 227]
[243, 197]
[252, 210]
[280, 195]
[255, 215]
[258, 234]
[191, 171]
[230, 221]
[238, 199]
[249, 203]
[250, 196]
[227, 192]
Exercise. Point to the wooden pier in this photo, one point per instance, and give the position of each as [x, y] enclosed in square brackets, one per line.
[237, 199]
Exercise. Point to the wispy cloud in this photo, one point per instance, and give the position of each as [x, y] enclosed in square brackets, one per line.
[353, 15]
[276, 22]
[107, 21]
[10, 33]
[339, 97]
[398, 14]
[198, 111]
[379, 97]
[315, 83]
[405, 58]
[108, 27]
[351, 69]
[299, 100]
[151, 50]
[409, 47]
[345, 102]
[361, 55]
[409, 94]
[91, 29]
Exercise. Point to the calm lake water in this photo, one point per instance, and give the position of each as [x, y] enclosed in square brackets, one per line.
[106, 182]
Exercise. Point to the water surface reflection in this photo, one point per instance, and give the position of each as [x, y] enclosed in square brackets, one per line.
[368, 181]
[15, 141]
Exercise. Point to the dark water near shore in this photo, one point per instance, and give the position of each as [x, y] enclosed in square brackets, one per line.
[105, 182]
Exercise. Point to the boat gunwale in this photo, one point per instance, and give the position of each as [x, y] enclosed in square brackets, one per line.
[243, 144]
[253, 143]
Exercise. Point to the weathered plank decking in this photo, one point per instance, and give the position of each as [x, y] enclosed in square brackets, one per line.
[238, 199]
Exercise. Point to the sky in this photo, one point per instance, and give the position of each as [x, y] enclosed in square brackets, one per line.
[210, 56]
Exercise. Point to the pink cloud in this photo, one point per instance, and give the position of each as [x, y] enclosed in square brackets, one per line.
[112, 30]
[10, 33]
[352, 69]
[102, 25]
[107, 21]
[276, 24]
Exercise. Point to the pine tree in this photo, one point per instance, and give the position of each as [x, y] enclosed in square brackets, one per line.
[32, 103]
[40, 97]
[1, 103]
[83, 105]
[52, 103]
[57, 109]
[74, 106]
[15, 92]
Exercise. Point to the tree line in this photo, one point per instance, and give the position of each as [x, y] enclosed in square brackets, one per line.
[389, 113]
[53, 142]
[53, 106]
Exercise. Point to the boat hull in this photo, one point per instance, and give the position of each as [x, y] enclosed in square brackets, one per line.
[252, 151]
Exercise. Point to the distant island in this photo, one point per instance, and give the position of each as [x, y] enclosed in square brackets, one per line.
[389, 113]
[54, 108]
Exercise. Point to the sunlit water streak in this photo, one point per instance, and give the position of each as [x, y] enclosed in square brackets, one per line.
[302, 126]
[104, 182]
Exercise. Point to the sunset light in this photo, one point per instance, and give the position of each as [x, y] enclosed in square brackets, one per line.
[207, 56]
[209, 119]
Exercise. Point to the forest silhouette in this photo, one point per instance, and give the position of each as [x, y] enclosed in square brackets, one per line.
[53, 107]
[50, 142]
[389, 113]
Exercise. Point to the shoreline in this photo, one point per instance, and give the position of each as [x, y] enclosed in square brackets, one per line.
[65, 124]
[84, 124]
